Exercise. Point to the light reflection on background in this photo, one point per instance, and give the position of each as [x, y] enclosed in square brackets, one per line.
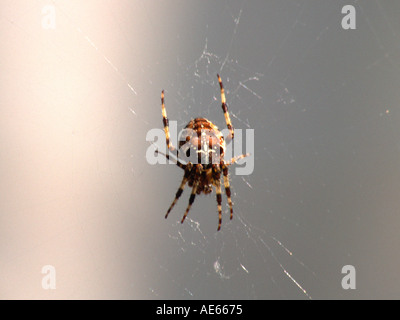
[76, 190]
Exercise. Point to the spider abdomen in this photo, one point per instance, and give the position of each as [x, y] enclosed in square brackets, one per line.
[202, 142]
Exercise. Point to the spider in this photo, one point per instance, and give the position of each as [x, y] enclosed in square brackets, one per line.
[204, 140]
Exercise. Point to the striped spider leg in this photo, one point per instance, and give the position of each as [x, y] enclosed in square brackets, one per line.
[204, 140]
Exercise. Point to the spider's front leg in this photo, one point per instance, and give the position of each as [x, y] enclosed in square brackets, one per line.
[177, 162]
[166, 124]
[226, 113]
[237, 158]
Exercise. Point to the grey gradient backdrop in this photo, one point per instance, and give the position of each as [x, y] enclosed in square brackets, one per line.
[77, 192]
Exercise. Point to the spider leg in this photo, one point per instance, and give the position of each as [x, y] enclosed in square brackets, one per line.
[166, 123]
[237, 158]
[179, 192]
[227, 188]
[191, 200]
[177, 162]
[219, 200]
[225, 109]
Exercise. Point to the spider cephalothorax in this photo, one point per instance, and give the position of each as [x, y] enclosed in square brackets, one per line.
[203, 146]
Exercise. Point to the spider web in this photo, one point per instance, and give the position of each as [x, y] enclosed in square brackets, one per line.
[231, 258]
[254, 252]
[322, 102]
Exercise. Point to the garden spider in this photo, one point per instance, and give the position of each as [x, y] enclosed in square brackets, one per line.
[204, 140]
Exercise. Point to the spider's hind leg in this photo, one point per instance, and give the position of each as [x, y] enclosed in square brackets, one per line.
[179, 192]
[219, 201]
[191, 200]
[227, 188]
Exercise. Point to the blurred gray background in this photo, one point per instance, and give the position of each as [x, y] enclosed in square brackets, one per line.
[77, 192]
